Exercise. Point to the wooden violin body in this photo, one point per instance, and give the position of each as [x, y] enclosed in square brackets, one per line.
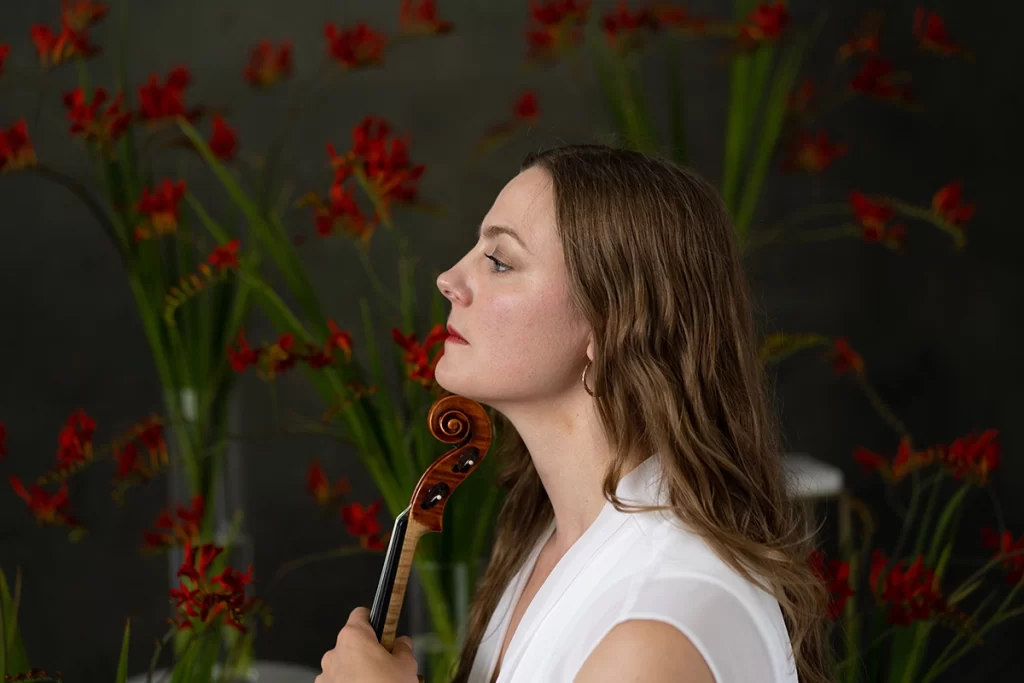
[452, 419]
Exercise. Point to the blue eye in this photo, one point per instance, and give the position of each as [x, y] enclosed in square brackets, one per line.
[498, 265]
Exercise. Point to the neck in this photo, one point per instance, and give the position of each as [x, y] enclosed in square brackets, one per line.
[571, 454]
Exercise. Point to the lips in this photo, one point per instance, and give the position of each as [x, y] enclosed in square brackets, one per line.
[454, 336]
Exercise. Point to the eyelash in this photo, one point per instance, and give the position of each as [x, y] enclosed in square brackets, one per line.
[498, 263]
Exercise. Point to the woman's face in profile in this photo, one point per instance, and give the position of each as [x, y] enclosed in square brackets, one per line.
[510, 302]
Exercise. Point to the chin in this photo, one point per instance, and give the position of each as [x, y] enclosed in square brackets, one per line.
[464, 383]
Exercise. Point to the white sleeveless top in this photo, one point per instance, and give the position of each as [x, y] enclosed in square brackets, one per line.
[636, 566]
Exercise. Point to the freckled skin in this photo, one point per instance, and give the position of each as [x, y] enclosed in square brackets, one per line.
[526, 342]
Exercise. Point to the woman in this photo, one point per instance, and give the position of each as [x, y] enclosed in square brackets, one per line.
[646, 534]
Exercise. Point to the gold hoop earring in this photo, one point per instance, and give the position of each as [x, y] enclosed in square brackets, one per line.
[585, 379]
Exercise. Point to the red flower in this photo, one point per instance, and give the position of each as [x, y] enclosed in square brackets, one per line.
[974, 456]
[876, 78]
[243, 356]
[624, 30]
[677, 18]
[372, 542]
[906, 461]
[525, 107]
[866, 40]
[81, 14]
[158, 102]
[388, 169]
[33, 675]
[911, 593]
[416, 355]
[947, 205]
[1004, 544]
[555, 25]
[844, 358]
[420, 16]
[5, 49]
[160, 208]
[3, 441]
[87, 120]
[872, 217]
[354, 47]
[800, 99]
[204, 598]
[836, 577]
[341, 213]
[338, 339]
[48, 508]
[266, 67]
[930, 32]
[814, 153]
[279, 357]
[16, 150]
[170, 532]
[55, 49]
[223, 142]
[131, 464]
[362, 522]
[320, 487]
[225, 256]
[765, 22]
[282, 355]
[75, 442]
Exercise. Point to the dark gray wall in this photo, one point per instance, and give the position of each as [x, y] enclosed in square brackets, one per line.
[939, 330]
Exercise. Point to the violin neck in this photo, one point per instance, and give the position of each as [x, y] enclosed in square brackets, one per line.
[386, 584]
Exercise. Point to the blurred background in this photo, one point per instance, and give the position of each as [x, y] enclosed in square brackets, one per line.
[931, 312]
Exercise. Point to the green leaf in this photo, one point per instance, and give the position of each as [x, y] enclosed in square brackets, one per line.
[735, 134]
[122, 663]
[786, 72]
[270, 234]
[677, 123]
[12, 649]
[942, 528]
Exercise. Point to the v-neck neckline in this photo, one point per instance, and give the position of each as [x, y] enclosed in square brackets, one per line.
[568, 567]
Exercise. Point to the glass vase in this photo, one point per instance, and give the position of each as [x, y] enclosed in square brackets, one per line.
[440, 592]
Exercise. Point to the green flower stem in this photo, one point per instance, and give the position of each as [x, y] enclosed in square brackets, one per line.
[798, 217]
[854, 658]
[850, 619]
[378, 285]
[312, 558]
[945, 659]
[992, 563]
[929, 508]
[942, 530]
[928, 216]
[880, 406]
[106, 221]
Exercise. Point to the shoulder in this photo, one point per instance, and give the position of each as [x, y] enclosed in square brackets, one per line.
[685, 599]
[635, 650]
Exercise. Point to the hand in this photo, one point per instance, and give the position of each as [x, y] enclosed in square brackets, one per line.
[358, 657]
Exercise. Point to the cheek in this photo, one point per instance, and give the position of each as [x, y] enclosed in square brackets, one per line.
[537, 329]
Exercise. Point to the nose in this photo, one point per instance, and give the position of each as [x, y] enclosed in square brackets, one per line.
[447, 283]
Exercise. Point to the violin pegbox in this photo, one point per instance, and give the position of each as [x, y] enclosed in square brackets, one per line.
[456, 420]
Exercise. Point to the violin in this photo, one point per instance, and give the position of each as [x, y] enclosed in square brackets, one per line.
[452, 419]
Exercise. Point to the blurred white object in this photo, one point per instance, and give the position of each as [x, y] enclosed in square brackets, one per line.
[807, 477]
[261, 672]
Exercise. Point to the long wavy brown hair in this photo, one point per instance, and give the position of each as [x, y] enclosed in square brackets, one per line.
[654, 266]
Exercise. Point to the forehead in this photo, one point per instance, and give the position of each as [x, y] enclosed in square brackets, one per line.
[527, 205]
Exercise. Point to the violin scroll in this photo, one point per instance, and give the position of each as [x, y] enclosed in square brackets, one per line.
[452, 419]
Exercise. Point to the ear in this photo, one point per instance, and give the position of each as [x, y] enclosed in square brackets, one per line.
[590, 348]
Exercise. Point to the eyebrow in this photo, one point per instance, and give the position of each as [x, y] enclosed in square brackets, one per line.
[492, 231]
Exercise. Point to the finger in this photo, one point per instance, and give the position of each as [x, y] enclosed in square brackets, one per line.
[403, 648]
